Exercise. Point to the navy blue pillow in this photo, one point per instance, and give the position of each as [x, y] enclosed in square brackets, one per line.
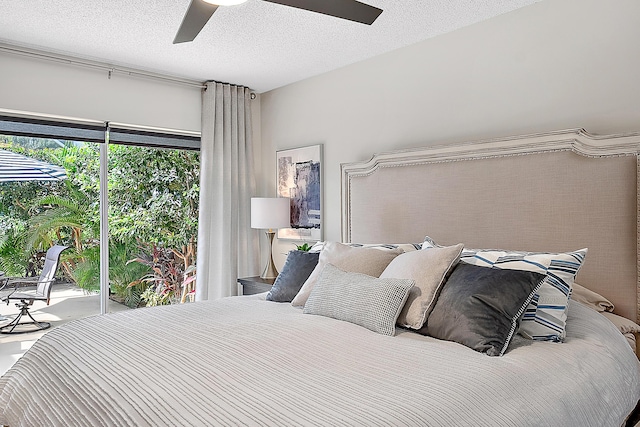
[296, 270]
[481, 307]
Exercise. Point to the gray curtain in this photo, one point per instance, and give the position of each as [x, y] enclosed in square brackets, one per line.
[227, 246]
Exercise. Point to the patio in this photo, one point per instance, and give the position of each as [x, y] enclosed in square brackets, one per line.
[68, 302]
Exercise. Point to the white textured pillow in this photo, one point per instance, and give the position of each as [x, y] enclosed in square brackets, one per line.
[360, 299]
[369, 261]
[429, 269]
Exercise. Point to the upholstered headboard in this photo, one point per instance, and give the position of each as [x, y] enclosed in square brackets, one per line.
[550, 192]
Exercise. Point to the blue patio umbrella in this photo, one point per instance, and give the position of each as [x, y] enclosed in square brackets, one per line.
[16, 167]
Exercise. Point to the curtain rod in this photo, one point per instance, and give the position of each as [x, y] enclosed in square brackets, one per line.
[110, 69]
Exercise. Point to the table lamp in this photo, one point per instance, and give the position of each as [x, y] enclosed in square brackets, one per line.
[269, 213]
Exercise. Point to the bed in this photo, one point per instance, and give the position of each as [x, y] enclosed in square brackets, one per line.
[250, 361]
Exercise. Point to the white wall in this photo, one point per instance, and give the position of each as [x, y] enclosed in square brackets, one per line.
[557, 64]
[40, 86]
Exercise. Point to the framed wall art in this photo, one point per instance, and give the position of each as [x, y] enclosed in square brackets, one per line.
[299, 173]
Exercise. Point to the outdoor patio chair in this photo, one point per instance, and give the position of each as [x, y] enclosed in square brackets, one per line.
[27, 298]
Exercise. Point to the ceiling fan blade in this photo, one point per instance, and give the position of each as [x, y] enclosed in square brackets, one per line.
[196, 17]
[351, 10]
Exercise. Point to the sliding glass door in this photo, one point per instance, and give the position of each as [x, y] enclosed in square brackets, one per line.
[127, 206]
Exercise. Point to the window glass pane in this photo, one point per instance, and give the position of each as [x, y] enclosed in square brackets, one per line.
[37, 212]
[153, 220]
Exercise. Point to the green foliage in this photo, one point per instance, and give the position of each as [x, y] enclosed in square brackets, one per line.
[125, 276]
[305, 247]
[13, 260]
[153, 298]
[153, 198]
[157, 202]
[72, 219]
[167, 276]
[86, 271]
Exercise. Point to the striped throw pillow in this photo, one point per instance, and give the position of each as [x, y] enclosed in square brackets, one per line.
[545, 317]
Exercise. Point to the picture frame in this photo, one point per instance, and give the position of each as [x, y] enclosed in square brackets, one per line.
[299, 177]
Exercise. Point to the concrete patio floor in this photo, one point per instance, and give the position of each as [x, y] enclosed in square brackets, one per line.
[68, 302]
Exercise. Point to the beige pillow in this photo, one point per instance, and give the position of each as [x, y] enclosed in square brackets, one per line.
[627, 327]
[369, 261]
[590, 299]
[429, 269]
[594, 300]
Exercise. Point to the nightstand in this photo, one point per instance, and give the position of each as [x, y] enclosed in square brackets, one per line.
[255, 285]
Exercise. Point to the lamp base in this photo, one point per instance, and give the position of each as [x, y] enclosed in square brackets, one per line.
[270, 271]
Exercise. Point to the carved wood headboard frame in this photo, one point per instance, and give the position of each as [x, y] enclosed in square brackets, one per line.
[496, 192]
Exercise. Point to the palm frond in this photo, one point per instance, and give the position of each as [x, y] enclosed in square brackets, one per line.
[61, 202]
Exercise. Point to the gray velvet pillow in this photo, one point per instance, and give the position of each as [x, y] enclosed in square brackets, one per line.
[295, 272]
[481, 307]
[357, 298]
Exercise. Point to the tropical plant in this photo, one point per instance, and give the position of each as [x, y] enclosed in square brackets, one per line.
[71, 218]
[305, 247]
[86, 270]
[123, 277]
[167, 278]
[189, 284]
[13, 260]
[152, 298]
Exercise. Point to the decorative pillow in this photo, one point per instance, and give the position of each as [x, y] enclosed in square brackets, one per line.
[545, 318]
[429, 269]
[481, 307]
[295, 271]
[357, 298]
[627, 327]
[369, 261]
[590, 299]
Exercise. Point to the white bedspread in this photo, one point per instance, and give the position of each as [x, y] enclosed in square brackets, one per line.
[243, 361]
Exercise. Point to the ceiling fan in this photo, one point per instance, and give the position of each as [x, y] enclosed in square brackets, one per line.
[200, 11]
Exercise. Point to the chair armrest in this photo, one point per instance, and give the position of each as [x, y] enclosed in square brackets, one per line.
[4, 282]
[16, 282]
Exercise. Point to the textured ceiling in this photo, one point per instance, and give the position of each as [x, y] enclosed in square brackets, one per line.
[258, 44]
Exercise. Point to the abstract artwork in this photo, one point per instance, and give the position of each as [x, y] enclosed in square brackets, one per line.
[298, 175]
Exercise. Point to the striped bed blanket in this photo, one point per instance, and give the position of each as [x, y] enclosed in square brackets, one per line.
[250, 362]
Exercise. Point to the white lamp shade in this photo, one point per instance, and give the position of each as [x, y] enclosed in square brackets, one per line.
[270, 212]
